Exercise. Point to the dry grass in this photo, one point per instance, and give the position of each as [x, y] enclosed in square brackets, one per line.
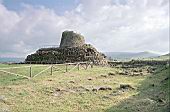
[73, 92]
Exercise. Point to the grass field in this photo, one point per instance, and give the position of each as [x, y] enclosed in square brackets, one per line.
[78, 91]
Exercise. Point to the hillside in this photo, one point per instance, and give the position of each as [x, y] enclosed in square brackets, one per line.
[166, 56]
[162, 57]
[130, 55]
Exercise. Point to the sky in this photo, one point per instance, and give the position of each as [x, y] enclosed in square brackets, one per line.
[109, 25]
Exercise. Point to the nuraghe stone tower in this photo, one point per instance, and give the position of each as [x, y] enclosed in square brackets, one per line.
[72, 49]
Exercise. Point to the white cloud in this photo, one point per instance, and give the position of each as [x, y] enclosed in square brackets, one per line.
[119, 25]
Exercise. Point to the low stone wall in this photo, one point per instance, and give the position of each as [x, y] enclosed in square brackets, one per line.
[139, 63]
[68, 55]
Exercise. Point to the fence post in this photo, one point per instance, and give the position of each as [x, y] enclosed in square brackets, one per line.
[78, 66]
[92, 65]
[51, 70]
[86, 65]
[30, 71]
[66, 67]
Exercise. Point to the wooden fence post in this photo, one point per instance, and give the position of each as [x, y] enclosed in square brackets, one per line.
[86, 65]
[51, 70]
[78, 66]
[66, 67]
[91, 65]
[30, 71]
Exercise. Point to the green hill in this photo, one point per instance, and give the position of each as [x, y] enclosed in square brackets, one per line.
[130, 55]
[166, 56]
[162, 57]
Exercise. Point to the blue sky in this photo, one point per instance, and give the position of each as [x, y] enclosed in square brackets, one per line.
[58, 5]
[109, 25]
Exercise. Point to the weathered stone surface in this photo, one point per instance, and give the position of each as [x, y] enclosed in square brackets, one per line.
[111, 74]
[137, 74]
[102, 88]
[68, 52]
[71, 39]
[89, 78]
[105, 88]
[138, 63]
[123, 73]
[126, 86]
[2, 99]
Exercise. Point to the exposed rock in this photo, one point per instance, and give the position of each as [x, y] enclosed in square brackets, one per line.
[111, 74]
[161, 100]
[2, 99]
[126, 86]
[135, 70]
[140, 70]
[137, 74]
[71, 81]
[103, 88]
[90, 78]
[95, 89]
[123, 73]
[138, 63]
[151, 70]
[57, 89]
[105, 76]
[56, 94]
[59, 92]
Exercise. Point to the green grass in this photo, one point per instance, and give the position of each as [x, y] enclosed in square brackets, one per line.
[39, 93]
[159, 58]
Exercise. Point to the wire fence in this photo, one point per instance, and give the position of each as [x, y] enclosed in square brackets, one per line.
[66, 67]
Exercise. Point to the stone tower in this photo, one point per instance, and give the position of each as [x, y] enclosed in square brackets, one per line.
[71, 39]
[72, 49]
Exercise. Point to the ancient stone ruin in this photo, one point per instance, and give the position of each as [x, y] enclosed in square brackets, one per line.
[71, 39]
[72, 49]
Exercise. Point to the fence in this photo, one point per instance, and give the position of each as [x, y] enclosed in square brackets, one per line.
[53, 68]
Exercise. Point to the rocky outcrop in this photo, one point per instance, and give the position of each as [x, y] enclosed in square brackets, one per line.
[72, 49]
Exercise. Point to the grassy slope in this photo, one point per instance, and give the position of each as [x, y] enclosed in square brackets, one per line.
[162, 57]
[38, 94]
[130, 55]
[149, 96]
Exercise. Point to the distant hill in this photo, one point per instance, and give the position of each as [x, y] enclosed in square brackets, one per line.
[165, 56]
[130, 55]
[14, 60]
